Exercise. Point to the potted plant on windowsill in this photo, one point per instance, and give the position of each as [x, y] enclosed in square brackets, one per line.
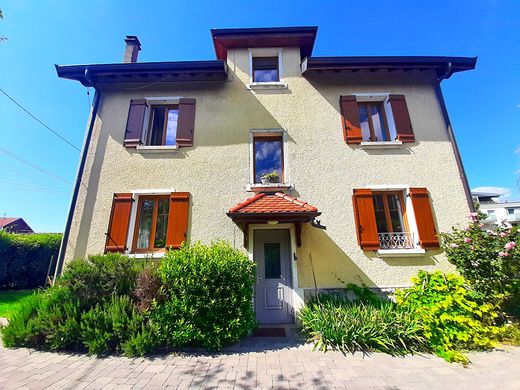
[269, 178]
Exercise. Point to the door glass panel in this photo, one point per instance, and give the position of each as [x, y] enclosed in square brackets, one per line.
[145, 224]
[273, 269]
[396, 214]
[379, 209]
[163, 206]
[171, 127]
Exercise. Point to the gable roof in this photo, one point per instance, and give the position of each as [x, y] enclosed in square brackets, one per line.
[4, 221]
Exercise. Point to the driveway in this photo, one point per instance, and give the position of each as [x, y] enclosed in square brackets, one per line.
[262, 364]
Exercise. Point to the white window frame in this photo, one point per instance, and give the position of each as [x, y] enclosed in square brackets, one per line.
[286, 185]
[266, 52]
[156, 101]
[417, 250]
[133, 221]
[384, 98]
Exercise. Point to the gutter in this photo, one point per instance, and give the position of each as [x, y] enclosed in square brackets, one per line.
[79, 176]
[451, 136]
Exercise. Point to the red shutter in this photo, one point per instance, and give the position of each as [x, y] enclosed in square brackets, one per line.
[178, 219]
[135, 122]
[186, 122]
[424, 218]
[365, 217]
[403, 124]
[118, 225]
[350, 119]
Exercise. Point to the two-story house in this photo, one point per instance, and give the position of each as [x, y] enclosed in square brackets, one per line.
[364, 166]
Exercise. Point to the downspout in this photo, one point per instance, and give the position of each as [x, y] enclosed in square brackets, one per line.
[79, 177]
[451, 136]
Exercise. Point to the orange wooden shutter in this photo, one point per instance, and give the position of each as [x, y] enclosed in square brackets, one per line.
[424, 218]
[403, 124]
[186, 122]
[178, 219]
[118, 225]
[365, 217]
[350, 119]
[134, 124]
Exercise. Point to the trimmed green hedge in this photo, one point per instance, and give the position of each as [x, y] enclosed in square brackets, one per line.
[24, 258]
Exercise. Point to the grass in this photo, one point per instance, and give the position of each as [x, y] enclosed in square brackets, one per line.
[11, 300]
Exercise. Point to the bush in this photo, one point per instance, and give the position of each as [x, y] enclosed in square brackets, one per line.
[208, 296]
[369, 324]
[24, 258]
[453, 319]
[488, 259]
[148, 287]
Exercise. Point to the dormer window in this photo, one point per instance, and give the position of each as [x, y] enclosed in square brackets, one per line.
[265, 70]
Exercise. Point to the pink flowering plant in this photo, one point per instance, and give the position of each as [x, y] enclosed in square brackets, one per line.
[488, 258]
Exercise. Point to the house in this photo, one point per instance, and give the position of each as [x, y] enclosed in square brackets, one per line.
[14, 225]
[365, 170]
[499, 213]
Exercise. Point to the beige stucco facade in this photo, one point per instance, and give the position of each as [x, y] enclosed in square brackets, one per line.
[323, 169]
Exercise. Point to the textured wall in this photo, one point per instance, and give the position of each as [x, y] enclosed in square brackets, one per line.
[322, 167]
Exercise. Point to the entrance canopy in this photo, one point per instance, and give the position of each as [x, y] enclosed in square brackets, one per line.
[273, 207]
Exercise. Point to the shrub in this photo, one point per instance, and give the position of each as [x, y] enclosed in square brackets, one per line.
[148, 287]
[335, 322]
[108, 325]
[453, 319]
[208, 296]
[24, 258]
[488, 259]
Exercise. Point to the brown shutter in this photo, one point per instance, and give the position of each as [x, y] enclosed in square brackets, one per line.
[186, 122]
[178, 219]
[403, 124]
[118, 225]
[350, 119]
[424, 218]
[365, 217]
[135, 122]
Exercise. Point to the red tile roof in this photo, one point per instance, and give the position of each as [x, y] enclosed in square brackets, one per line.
[6, 221]
[273, 203]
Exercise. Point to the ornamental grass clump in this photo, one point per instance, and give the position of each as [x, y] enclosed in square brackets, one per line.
[366, 325]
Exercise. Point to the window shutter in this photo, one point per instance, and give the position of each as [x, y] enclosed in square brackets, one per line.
[350, 119]
[186, 122]
[403, 124]
[135, 122]
[118, 225]
[178, 219]
[365, 217]
[424, 218]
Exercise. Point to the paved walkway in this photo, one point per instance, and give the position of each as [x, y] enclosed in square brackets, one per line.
[252, 365]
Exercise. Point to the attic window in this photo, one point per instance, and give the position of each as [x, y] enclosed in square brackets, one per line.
[265, 70]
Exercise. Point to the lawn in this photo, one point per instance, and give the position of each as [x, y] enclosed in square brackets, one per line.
[10, 301]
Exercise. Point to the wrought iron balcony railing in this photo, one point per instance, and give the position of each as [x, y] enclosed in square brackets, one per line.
[396, 240]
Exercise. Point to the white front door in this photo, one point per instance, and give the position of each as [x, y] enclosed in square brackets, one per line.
[273, 292]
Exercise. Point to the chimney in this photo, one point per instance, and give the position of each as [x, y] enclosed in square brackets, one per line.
[132, 49]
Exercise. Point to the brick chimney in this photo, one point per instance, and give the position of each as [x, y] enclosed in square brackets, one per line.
[132, 49]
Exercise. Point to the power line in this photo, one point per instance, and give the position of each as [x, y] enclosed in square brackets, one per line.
[30, 187]
[46, 180]
[14, 156]
[39, 121]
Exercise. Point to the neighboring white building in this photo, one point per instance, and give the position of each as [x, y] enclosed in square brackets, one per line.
[499, 213]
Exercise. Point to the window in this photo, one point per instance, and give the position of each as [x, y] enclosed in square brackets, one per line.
[511, 211]
[268, 157]
[373, 122]
[490, 212]
[152, 223]
[265, 69]
[163, 125]
[389, 208]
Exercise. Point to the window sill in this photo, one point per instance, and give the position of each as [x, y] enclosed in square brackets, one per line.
[259, 187]
[415, 252]
[156, 149]
[381, 144]
[152, 255]
[267, 85]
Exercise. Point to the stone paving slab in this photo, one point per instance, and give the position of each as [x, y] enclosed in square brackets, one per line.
[260, 364]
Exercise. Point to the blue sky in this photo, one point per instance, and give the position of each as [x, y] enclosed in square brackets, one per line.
[484, 104]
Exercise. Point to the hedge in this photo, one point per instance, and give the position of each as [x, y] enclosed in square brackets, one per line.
[24, 258]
